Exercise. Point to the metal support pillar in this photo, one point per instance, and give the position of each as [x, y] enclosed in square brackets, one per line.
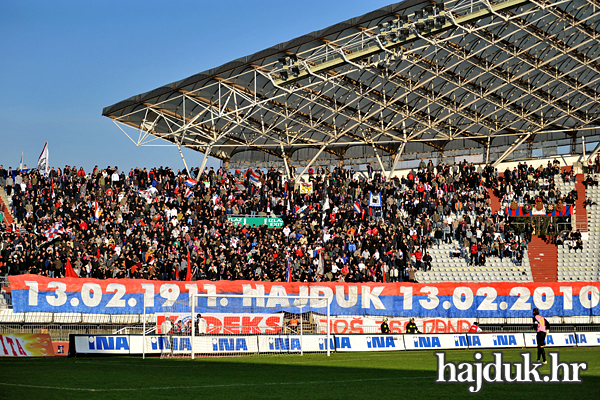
[594, 153]
[487, 151]
[313, 159]
[396, 159]
[510, 150]
[378, 159]
[183, 158]
[204, 160]
[287, 167]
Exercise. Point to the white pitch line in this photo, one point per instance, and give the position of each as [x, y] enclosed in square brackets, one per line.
[209, 386]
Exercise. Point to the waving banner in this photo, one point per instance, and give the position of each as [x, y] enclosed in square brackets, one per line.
[32, 293]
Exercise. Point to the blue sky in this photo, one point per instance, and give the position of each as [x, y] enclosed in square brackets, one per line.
[63, 61]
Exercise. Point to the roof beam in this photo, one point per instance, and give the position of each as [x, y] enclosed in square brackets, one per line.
[259, 126]
[218, 132]
[372, 50]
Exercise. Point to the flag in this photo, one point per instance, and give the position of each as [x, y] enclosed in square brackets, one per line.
[288, 270]
[188, 193]
[69, 271]
[55, 230]
[190, 182]
[300, 209]
[320, 265]
[306, 187]
[239, 186]
[326, 205]
[97, 211]
[188, 274]
[383, 272]
[357, 208]
[70, 233]
[146, 194]
[176, 190]
[42, 165]
[21, 163]
[375, 200]
[254, 178]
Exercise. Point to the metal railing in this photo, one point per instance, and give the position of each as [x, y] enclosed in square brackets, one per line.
[567, 328]
[61, 332]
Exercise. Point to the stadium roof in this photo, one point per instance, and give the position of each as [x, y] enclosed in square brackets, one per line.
[489, 80]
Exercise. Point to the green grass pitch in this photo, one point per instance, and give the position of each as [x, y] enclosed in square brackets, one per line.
[386, 375]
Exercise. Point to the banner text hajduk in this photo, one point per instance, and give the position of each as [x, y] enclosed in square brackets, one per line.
[32, 293]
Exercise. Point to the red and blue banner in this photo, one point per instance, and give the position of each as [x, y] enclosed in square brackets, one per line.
[520, 212]
[32, 293]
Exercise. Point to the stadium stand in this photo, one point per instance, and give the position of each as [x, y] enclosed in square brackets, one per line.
[438, 221]
[440, 212]
[580, 261]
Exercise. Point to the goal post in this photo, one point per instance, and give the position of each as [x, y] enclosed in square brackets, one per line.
[236, 324]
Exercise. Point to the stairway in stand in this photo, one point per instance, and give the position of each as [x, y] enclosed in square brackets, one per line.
[581, 214]
[495, 202]
[543, 259]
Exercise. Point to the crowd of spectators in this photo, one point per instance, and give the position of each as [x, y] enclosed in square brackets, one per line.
[518, 184]
[352, 226]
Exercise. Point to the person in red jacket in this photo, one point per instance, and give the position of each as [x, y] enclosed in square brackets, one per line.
[474, 254]
[475, 328]
[418, 257]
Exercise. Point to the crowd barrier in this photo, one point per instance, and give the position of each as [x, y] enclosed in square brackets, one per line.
[226, 344]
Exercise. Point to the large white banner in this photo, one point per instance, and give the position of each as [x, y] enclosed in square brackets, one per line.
[238, 344]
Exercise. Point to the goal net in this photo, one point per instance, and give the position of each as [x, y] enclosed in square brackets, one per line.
[228, 325]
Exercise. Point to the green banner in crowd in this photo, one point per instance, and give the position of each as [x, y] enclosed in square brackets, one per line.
[256, 221]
